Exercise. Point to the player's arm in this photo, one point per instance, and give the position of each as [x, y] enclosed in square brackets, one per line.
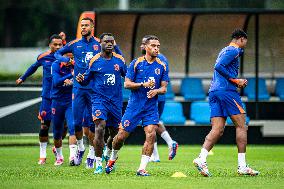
[32, 69]
[85, 78]
[130, 77]
[66, 49]
[57, 79]
[117, 49]
[164, 83]
[221, 68]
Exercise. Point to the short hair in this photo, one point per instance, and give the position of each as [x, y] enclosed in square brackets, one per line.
[150, 37]
[54, 36]
[87, 18]
[105, 34]
[238, 33]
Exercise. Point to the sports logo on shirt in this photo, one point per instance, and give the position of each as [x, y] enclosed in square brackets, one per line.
[126, 123]
[110, 79]
[98, 113]
[88, 57]
[96, 47]
[157, 71]
[116, 67]
[53, 110]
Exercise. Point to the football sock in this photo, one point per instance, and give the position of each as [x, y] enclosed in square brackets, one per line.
[91, 153]
[155, 153]
[203, 154]
[72, 149]
[59, 152]
[165, 135]
[114, 155]
[241, 160]
[81, 146]
[144, 161]
[42, 147]
[98, 161]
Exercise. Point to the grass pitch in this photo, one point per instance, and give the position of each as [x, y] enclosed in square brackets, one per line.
[19, 169]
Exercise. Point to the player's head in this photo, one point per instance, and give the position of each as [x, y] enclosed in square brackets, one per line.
[87, 26]
[107, 42]
[152, 45]
[143, 42]
[55, 42]
[240, 37]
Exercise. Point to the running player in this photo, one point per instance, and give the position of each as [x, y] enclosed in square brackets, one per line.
[173, 145]
[225, 101]
[61, 95]
[83, 50]
[45, 60]
[106, 70]
[147, 77]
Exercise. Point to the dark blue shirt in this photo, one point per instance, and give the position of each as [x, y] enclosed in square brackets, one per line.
[141, 71]
[61, 72]
[45, 60]
[226, 68]
[106, 76]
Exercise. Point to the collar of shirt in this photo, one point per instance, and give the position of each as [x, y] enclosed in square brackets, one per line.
[84, 39]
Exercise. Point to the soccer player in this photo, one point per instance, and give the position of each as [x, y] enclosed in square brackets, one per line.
[61, 95]
[147, 77]
[173, 145]
[83, 50]
[225, 101]
[45, 60]
[106, 70]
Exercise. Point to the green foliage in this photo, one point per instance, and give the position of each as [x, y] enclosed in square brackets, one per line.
[19, 169]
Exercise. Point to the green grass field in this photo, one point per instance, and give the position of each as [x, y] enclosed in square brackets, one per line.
[19, 169]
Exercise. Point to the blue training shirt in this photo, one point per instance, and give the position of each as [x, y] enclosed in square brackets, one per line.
[106, 76]
[45, 60]
[226, 67]
[83, 51]
[61, 72]
[141, 71]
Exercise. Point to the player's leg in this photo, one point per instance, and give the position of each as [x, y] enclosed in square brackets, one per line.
[45, 118]
[72, 137]
[89, 132]
[99, 143]
[78, 107]
[218, 119]
[150, 132]
[58, 112]
[238, 116]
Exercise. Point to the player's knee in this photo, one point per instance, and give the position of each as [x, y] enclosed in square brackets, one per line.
[57, 135]
[78, 128]
[44, 129]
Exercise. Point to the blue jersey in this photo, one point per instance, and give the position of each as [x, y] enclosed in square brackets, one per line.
[61, 72]
[226, 67]
[106, 76]
[165, 60]
[83, 51]
[45, 60]
[141, 71]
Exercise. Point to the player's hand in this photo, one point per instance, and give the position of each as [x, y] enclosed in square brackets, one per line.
[242, 83]
[71, 61]
[152, 93]
[80, 77]
[62, 35]
[149, 84]
[19, 81]
[72, 72]
[67, 82]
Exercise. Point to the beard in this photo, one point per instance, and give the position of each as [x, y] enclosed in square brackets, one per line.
[86, 34]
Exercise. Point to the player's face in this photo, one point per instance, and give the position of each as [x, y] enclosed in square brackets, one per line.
[86, 28]
[55, 45]
[107, 43]
[243, 42]
[152, 48]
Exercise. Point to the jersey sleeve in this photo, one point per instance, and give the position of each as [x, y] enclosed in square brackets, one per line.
[57, 78]
[66, 49]
[32, 69]
[131, 71]
[223, 61]
[165, 74]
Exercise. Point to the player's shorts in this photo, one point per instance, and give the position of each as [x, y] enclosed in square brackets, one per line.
[61, 110]
[225, 103]
[161, 105]
[111, 113]
[81, 102]
[45, 110]
[134, 114]
[88, 121]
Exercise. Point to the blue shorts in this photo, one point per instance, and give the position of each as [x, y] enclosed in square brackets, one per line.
[45, 110]
[61, 110]
[225, 103]
[81, 106]
[111, 113]
[88, 121]
[134, 114]
[161, 105]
